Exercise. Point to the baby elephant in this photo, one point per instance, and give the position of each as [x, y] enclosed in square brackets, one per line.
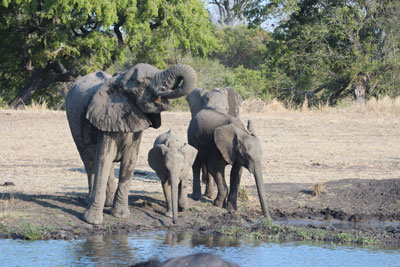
[172, 160]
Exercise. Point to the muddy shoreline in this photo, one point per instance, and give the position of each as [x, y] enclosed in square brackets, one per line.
[350, 211]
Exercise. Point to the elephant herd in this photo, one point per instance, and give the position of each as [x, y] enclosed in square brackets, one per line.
[108, 114]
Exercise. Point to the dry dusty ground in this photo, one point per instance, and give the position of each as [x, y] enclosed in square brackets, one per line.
[355, 154]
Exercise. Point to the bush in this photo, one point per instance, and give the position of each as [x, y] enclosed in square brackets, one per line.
[212, 74]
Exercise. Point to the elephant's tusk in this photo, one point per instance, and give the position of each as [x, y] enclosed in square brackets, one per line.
[165, 93]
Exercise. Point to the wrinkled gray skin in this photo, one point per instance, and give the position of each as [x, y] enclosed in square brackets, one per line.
[220, 140]
[172, 159]
[107, 116]
[199, 259]
[225, 100]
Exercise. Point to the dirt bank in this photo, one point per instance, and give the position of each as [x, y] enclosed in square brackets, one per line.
[354, 155]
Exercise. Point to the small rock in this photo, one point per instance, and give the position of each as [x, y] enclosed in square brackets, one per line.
[355, 218]
[8, 184]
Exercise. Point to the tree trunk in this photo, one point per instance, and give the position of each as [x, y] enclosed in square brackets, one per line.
[25, 94]
[41, 78]
[339, 88]
[360, 90]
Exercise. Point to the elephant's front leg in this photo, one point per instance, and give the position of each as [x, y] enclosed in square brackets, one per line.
[236, 174]
[128, 162]
[105, 154]
[182, 198]
[216, 168]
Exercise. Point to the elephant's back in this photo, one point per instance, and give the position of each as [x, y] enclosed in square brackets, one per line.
[202, 126]
[82, 90]
[78, 98]
[170, 139]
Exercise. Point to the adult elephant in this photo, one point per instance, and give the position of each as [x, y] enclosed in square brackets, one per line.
[198, 259]
[107, 116]
[221, 140]
[225, 100]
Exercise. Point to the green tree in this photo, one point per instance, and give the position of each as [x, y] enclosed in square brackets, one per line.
[45, 41]
[324, 49]
[242, 46]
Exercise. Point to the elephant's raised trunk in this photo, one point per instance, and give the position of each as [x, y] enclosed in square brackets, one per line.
[174, 76]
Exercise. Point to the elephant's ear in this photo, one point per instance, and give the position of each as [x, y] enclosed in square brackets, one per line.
[251, 128]
[156, 160]
[196, 101]
[112, 110]
[189, 153]
[235, 101]
[225, 138]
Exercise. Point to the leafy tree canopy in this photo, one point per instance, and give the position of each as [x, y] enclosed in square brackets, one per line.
[242, 46]
[45, 41]
[323, 49]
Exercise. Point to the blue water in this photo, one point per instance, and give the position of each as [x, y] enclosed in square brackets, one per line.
[122, 250]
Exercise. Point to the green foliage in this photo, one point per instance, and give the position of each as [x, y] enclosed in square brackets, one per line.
[3, 104]
[268, 230]
[230, 230]
[212, 74]
[319, 48]
[51, 41]
[241, 46]
[34, 232]
[250, 83]
[331, 45]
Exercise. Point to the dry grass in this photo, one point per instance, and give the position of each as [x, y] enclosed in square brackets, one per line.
[37, 106]
[383, 106]
[243, 194]
[259, 106]
[7, 204]
[38, 154]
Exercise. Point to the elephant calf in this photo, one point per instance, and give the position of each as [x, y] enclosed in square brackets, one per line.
[172, 159]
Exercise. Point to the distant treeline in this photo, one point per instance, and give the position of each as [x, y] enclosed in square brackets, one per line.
[322, 51]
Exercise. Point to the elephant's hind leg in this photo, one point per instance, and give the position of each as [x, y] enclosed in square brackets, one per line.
[87, 156]
[196, 180]
[111, 187]
[209, 181]
[236, 173]
[216, 168]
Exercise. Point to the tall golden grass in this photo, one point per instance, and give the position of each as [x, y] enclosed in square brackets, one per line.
[384, 105]
[37, 106]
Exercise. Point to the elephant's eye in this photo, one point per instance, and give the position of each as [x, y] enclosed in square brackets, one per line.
[163, 89]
